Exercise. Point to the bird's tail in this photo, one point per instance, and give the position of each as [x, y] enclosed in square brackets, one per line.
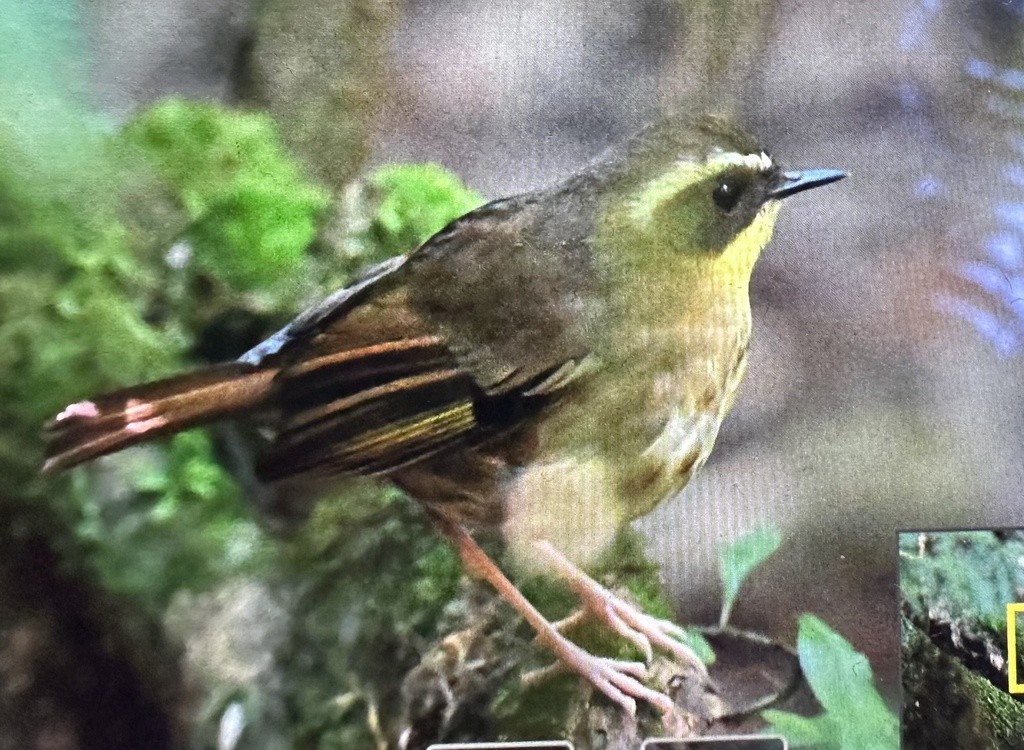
[108, 423]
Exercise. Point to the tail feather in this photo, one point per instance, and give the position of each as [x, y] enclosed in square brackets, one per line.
[108, 423]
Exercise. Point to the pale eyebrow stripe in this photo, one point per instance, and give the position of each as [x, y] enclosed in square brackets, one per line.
[685, 173]
[760, 162]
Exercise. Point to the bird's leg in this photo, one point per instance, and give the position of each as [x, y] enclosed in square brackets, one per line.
[622, 617]
[619, 680]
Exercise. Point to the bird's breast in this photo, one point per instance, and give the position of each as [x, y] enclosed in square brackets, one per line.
[635, 435]
[686, 405]
[652, 412]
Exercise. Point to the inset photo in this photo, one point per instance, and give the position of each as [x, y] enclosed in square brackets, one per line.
[962, 619]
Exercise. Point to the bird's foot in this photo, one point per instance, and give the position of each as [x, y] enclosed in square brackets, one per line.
[620, 681]
[623, 618]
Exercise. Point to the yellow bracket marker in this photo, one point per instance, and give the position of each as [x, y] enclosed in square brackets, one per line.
[1012, 610]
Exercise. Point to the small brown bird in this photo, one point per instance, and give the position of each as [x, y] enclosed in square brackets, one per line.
[556, 363]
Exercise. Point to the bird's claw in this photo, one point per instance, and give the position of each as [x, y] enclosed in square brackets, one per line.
[661, 633]
[626, 620]
[636, 626]
[619, 680]
[609, 617]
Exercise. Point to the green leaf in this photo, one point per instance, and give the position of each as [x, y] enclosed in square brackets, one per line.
[816, 732]
[695, 639]
[841, 678]
[739, 559]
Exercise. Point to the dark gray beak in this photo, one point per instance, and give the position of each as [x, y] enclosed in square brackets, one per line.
[792, 183]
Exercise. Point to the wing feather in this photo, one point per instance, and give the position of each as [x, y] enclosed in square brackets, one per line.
[375, 409]
[370, 410]
[466, 338]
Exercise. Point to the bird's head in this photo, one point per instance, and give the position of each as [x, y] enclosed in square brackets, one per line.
[701, 197]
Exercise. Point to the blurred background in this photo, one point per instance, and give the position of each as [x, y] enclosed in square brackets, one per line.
[179, 177]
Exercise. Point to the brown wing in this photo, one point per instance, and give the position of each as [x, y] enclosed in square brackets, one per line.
[464, 339]
[513, 287]
[375, 391]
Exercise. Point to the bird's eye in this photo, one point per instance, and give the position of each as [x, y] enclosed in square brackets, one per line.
[727, 194]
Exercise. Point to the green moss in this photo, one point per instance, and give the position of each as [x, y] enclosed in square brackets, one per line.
[970, 574]
[249, 212]
[417, 201]
[946, 705]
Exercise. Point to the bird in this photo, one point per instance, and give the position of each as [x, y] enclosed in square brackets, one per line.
[554, 364]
